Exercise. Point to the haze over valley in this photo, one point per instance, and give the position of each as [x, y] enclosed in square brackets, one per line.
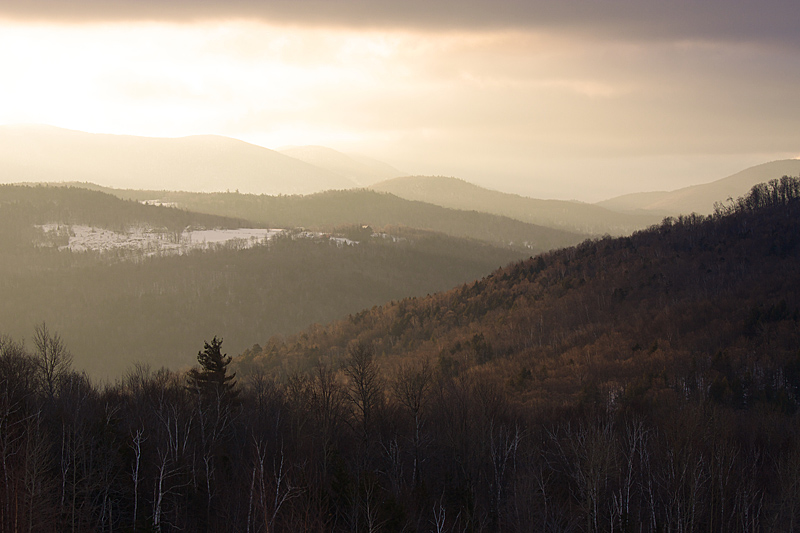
[144, 258]
[399, 266]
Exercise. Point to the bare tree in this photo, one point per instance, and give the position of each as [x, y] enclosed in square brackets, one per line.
[137, 439]
[52, 357]
[588, 454]
[272, 492]
[503, 449]
[328, 408]
[410, 387]
[364, 387]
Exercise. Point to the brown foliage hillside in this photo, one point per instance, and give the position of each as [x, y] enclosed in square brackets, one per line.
[694, 306]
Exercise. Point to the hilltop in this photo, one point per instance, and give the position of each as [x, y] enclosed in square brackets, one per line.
[201, 163]
[361, 170]
[701, 198]
[571, 216]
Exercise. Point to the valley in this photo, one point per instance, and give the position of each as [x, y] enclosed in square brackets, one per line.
[429, 350]
[399, 267]
[604, 368]
[151, 279]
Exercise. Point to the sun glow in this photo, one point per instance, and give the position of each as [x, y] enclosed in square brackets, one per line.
[482, 104]
[172, 80]
[269, 85]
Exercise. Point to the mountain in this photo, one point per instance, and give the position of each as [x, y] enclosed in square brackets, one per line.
[198, 163]
[361, 170]
[331, 209]
[647, 383]
[632, 382]
[41, 204]
[459, 194]
[690, 307]
[701, 198]
[117, 307]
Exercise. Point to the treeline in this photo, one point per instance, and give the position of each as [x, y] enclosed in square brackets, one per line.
[364, 448]
[774, 193]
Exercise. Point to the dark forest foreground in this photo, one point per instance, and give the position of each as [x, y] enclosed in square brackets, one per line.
[648, 383]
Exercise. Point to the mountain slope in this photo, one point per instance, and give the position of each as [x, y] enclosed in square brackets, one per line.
[458, 194]
[701, 198]
[43, 204]
[361, 170]
[331, 209]
[660, 371]
[600, 317]
[114, 309]
[199, 163]
[647, 383]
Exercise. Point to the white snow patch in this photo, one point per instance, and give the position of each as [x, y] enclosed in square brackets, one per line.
[340, 241]
[149, 241]
[144, 242]
[159, 203]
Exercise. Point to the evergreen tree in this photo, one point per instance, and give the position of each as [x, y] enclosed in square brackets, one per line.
[213, 376]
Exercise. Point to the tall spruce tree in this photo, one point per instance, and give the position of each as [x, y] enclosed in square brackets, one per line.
[212, 377]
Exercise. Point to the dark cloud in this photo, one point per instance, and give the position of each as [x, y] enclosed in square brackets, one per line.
[738, 20]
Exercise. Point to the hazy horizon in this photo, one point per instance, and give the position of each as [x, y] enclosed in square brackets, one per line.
[568, 100]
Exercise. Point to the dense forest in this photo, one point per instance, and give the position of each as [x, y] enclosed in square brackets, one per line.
[646, 383]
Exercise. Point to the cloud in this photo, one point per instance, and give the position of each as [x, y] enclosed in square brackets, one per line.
[741, 20]
[502, 90]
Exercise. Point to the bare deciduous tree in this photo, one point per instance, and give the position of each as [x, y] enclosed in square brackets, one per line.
[364, 386]
[52, 357]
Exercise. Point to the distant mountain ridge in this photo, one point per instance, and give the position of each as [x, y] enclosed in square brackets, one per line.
[361, 170]
[201, 163]
[458, 194]
[330, 209]
[701, 198]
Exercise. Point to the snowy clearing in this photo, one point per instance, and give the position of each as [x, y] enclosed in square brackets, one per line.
[149, 241]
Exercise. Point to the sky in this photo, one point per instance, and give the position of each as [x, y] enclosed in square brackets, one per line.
[571, 99]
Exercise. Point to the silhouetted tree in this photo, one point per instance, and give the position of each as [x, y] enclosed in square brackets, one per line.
[52, 358]
[364, 385]
[212, 377]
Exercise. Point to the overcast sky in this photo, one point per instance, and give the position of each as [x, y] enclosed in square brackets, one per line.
[569, 99]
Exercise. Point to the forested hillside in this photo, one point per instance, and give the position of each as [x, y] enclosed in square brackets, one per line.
[120, 307]
[339, 208]
[24, 207]
[646, 383]
[668, 299]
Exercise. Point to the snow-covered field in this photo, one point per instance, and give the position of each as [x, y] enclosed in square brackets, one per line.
[147, 241]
